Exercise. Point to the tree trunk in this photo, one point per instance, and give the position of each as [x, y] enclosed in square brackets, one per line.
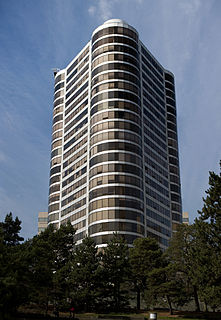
[170, 305]
[206, 306]
[138, 299]
[117, 296]
[46, 308]
[196, 298]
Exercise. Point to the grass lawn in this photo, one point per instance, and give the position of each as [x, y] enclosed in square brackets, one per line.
[189, 315]
[145, 316]
[178, 318]
[161, 315]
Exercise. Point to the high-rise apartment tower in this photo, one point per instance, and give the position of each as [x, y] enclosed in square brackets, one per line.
[114, 152]
[42, 221]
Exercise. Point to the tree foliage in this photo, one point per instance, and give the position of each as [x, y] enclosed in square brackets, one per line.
[51, 269]
[12, 267]
[115, 273]
[195, 250]
[84, 275]
[10, 230]
[209, 229]
[145, 256]
[49, 253]
[211, 211]
[183, 254]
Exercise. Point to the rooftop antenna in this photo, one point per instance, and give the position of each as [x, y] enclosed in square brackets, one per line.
[55, 71]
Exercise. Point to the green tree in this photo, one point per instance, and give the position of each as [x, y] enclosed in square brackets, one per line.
[145, 256]
[50, 252]
[84, 275]
[11, 229]
[189, 253]
[212, 297]
[195, 250]
[211, 211]
[13, 270]
[209, 228]
[167, 285]
[63, 249]
[115, 273]
[42, 264]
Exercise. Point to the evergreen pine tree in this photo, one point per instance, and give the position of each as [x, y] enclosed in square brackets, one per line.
[115, 273]
[145, 256]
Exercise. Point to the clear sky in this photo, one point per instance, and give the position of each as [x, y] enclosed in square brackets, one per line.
[36, 36]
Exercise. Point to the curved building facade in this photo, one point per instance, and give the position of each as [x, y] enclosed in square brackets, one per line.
[114, 154]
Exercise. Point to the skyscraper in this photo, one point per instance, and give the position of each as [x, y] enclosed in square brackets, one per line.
[114, 152]
[42, 221]
[185, 217]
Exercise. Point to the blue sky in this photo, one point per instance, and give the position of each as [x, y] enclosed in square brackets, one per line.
[36, 36]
